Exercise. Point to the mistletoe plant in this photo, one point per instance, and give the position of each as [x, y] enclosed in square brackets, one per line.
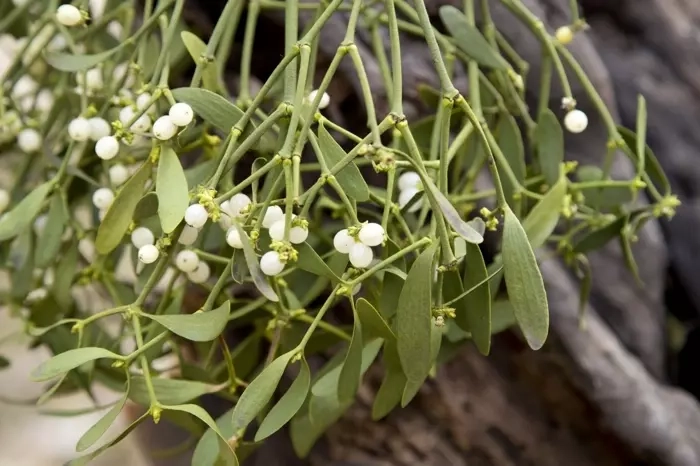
[200, 190]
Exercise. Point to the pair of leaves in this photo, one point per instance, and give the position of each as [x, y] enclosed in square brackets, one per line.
[18, 219]
[200, 326]
[171, 189]
[469, 39]
[349, 177]
[118, 218]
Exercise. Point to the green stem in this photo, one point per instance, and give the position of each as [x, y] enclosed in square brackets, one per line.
[291, 34]
[317, 318]
[168, 40]
[388, 261]
[247, 54]
[146, 346]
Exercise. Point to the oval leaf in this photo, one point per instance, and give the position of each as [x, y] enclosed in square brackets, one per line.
[462, 228]
[118, 218]
[288, 405]
[211, 107]
[524, 282]
[469, 39]
[543, 218]
[413, 318]
[147, 207]
[349, 378]
[392, 387]
[550, 146]
[511, 143]
[260, 391]
[98, 430]
[64, 362]
[85, 460]
[349, 177]
[198, 50]
[171, 188]
[169, 391]
[478, 302]
[200, 326]
[49, 242]
[310, 261]
[373, 325]
[72, 63]
[18, 219]
[251, 260]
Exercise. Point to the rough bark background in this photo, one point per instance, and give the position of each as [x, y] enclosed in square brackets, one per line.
[607, 395]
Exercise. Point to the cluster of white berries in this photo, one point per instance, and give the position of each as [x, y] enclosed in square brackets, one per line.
[409, 185]
[197, 270]
[359, 248]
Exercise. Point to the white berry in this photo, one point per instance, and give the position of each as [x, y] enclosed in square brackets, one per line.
[270, 263]
[107, 147]
[181, 114]
[103, 198]
[118, 174]
[196, 216]
[164, 128]
[93, 79]
[142, 236]
[233, 238]
[277, 230]
[69, 15]
[564, 35]
[298, 235]
[360, 255]
[237, 204]
[325, 99]
[44, 100]
[576, 121]
[409, 180]
[188, 236]
[272, 215]
[4, 199]
[201, 274]
[342, 241]
[225, 222]
[142, 124]
[187, 261]
[143, 101]
[79, 129]
[126, 114]
[24, 87]
[29, 140]
[99, 128]
[372, 234]
[406, 195]
[148, 254]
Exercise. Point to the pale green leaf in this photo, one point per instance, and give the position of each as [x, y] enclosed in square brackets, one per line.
[200, 326]
[211, 107]
[469, 39]
[392, 387]
[478, 302]
[171, 188]
[502, 316]
[413, 318]
[349, 178]
[20, 217]
[349, 378]
[118, 218]
[197, 50]
[169, 391]
[373, 325]
[260, 391]
[100, 427]
[85, 460]
[550, 146]
[543, 218]
[72, 63]
[511, 143]
[410, 390]
[251, 259]
[147, 207]
[524, 282]
[49, 242]
[290, 403]
[63, 362]
[310, 261]
[464, 229]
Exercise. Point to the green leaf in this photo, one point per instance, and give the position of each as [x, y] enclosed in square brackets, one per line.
[524, 281]
[349, 178]
[72, 63]
[651, 166]
[373, 324]
[199, 173]
[502, 316]
[49, 242]
[550, 146]
[63, 362]
[349, 378]
[169, 391]
[389, 297]
[599, 237]
[199, 412]
[66, 268]
[511, 143]
[478, 302]
[211, 107]
[20, 217]
[251, 260]
[413, 386]
[413, 318]
[464, 229]
[100, 427]
[200, 326]
[310, 261]
[391, 390]
[84, 460]
[197, 50]
[290, 403]
[260, 391]
[118, 218]
[147, 207]
[469, 39]
[171, 188]
[206, 453]
[543, 218]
